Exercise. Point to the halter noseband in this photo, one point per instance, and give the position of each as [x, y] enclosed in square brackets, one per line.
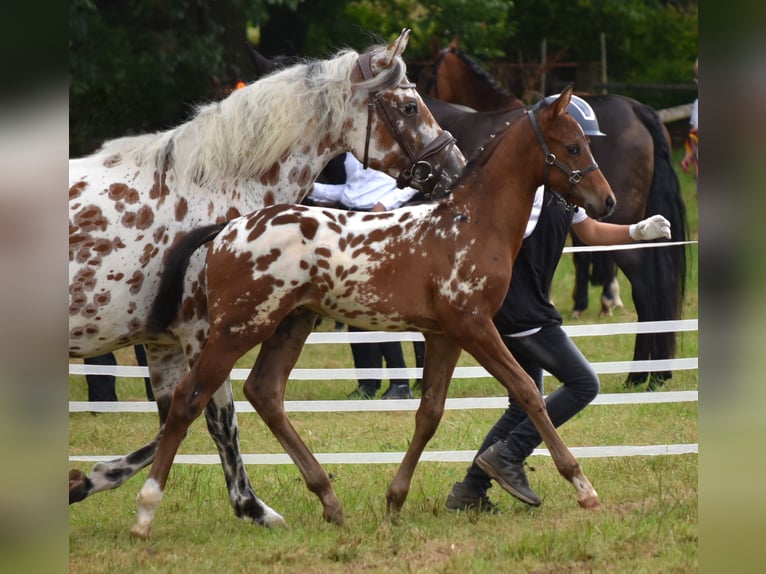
[419, 170]
[575, 175]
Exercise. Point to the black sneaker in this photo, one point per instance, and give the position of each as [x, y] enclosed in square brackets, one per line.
[361, 393]
[508, 472]
[397, 392]
[462, 497]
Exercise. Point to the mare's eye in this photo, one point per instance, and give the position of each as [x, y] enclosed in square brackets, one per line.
[572, 149]
[409, 108]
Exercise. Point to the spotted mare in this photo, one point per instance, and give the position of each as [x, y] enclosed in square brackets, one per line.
[440, 268]
[130, 202]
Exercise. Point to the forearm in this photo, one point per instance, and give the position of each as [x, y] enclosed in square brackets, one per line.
[592, 232]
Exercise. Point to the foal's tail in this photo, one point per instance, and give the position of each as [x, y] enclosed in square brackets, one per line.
[666, 265]
[168, 300]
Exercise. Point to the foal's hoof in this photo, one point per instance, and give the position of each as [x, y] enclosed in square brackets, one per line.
[78, 485]
[590, 503]
[335, 517]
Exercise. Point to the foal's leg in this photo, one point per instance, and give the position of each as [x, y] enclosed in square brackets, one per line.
[167, 366]
[482, 340]
[265, 389]
[208, 373]
[441, 357]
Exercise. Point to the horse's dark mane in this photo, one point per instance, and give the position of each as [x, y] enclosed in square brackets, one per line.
[474, 66]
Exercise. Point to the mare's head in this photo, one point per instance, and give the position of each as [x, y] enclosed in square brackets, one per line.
[570, 170]
[425, 155]
[393, 130]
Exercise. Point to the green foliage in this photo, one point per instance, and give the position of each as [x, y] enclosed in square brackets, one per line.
[482, 24]
[139, 65]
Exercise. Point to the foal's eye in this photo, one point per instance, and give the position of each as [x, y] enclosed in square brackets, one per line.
[572, 149]
[409, 108]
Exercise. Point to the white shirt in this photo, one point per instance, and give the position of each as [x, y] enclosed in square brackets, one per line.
[694, 119]
[363, 189]
[537, 206]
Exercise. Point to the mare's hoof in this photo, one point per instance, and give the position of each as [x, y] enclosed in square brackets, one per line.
[141, 531]
[274, 521]
[590, 503]
[78, 485]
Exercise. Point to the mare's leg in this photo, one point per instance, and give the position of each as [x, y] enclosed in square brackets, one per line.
[222, 425]
[481, 339]
[441, 357]
[265, 389]
[191, 395]
[167, 366]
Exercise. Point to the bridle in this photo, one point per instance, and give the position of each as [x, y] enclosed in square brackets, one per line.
[575, 175]
[419, 171]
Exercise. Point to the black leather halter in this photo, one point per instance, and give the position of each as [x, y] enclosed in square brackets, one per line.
[575, 175]
[419, 171]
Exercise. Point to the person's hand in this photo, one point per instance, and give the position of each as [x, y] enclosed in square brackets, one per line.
[686, 163]
[650, 228]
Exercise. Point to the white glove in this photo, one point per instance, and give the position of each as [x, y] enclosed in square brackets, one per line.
[650, 228]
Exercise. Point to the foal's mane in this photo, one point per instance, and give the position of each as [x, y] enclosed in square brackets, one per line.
[243, 135]
[488, 150]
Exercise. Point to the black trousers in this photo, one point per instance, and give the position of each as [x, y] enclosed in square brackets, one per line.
[371, 355]
[549, 349]
[103, 387]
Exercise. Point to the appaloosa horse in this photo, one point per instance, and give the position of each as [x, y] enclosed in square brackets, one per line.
[635, 159]
[440, 268]
[138, 196]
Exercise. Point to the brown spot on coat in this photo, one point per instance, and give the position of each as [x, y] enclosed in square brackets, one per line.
[135, 282]
[263, 262]
[77, 189]
[145, 217]
[271, 177]
[182, 208]
[90, 218]
[113, 160]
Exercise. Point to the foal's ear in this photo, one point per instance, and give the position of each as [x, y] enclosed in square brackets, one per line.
[560, 105]
[396, 48]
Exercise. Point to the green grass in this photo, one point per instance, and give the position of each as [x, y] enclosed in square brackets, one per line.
[648, 520]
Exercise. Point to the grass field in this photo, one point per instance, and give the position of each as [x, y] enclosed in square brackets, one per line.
[648, 520]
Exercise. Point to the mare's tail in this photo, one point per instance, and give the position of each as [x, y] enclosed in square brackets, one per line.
[664, 267]
[168, 300]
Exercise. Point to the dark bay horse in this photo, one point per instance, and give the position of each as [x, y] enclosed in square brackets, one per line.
[440, 268]
[635, 159]
[130, 202]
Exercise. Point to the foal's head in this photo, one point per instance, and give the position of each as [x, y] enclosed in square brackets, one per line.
[570, 170]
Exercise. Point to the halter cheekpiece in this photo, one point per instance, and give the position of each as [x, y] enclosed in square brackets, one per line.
[575, 175]
[419, 171]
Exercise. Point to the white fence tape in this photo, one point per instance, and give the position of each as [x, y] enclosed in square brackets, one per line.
[626, 246]
[338, 406]
[460, 372]
[430, 456]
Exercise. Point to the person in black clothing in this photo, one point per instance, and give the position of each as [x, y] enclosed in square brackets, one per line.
[103, 387]
[531, 329]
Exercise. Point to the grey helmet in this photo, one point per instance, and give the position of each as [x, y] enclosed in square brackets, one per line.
[580, 110]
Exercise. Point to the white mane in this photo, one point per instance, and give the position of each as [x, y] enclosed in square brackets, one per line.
[243, 135]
